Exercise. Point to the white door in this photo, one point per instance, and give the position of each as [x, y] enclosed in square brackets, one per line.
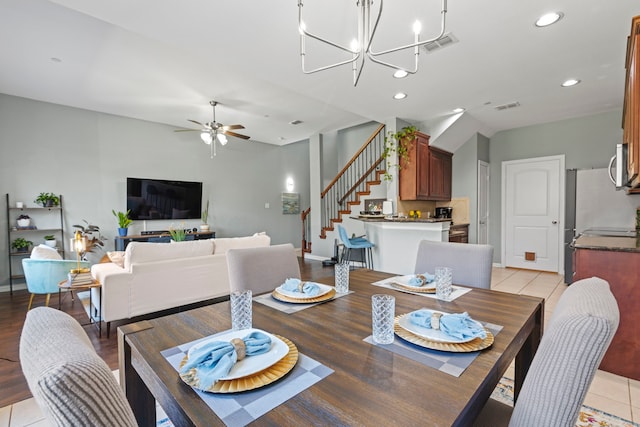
[532, 193]
[483, 202]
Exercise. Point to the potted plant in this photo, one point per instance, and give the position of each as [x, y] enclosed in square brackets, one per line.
[177, 234]
[24, 221]
[400, 143]
[205, 217]
[47, 200]
[123, 221]
[50, 240]
[21, 244]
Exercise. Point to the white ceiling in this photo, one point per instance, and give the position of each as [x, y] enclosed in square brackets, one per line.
[163, 60]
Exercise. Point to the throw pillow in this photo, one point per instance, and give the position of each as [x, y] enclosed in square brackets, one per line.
[44, 252]
[116, 257]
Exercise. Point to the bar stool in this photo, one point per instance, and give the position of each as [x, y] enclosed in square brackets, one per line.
[356, 243]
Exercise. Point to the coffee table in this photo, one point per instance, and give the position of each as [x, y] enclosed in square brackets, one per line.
[93, 319]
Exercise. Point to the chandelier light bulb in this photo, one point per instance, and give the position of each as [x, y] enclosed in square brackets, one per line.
[355, 46]
[417, 27]
[222, 138]
[206, 137]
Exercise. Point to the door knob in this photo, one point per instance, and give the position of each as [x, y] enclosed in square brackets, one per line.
[554, 222]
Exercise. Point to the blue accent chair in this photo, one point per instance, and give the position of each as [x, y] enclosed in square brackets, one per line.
[357, 243]
[43, 275]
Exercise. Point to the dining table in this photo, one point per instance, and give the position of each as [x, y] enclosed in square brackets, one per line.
[368, 384]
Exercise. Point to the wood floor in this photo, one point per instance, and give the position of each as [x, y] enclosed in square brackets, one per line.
[13, 386]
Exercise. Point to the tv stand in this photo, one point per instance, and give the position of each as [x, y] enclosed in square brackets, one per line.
[121, 242]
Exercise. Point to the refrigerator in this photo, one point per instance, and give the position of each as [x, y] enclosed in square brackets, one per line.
[594, 206]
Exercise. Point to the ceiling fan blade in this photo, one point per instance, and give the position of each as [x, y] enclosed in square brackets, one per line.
[188, 130]
[237, 135]
[231, 127]
[196, 122]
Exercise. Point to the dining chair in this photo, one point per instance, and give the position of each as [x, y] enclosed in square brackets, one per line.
[44, 275]
[578, 334]
[262, 269]
[470, 263]
[72, 385]
[356, 243]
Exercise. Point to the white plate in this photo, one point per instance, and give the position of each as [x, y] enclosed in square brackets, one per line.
[324, 289]
[430, 334]
[404, 280]
[251, 364]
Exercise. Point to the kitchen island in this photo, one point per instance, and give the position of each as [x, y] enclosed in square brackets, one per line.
[616, 260]
[396, 240]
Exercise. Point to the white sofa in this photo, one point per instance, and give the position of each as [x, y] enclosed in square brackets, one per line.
[158, 276]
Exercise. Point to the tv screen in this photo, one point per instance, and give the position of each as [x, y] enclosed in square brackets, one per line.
[163, 199]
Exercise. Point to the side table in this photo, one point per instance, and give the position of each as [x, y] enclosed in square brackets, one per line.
[97, 319]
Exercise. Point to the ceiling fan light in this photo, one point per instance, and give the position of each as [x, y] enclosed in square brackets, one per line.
[222, 138]
[206, 137]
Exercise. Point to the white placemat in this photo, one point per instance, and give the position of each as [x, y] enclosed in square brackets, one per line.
[386, 283]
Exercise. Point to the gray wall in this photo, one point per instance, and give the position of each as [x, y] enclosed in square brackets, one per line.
[587, 142]
[465, 180]
[86, 156]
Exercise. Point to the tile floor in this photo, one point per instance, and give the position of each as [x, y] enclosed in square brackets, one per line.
[610, 393]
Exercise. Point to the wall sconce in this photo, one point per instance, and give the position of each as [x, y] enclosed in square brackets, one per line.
[289, 184]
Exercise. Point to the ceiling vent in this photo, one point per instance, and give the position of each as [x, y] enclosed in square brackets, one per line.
[295, 122]
[446, 40]
[507, 106]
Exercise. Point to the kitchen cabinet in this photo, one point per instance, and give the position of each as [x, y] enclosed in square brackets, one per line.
[426, 174]
[631, 109]
[459, 233]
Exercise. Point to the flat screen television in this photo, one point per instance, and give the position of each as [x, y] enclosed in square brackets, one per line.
[163, 199]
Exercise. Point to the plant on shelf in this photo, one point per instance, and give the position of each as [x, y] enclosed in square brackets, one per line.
[24, 220]
[21, 244]
[400, 143]
[123, 221]
[47, 200]
[91, 242]
[205, 217]
[50, 240]
[177, 234]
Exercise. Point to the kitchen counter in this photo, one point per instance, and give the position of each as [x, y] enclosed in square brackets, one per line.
[403, 220]
[608, 243]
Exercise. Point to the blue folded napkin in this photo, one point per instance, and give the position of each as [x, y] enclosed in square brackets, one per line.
[456, 325]
[214, 360]
[419, 281]
[308, 288]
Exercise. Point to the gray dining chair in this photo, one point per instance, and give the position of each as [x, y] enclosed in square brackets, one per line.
[72, 385]
[578, 334]
[470, 263]
[262, 269]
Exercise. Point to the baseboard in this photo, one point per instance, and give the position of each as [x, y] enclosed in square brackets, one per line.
[18, 287]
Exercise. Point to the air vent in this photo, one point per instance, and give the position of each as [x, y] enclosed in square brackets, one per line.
[295, 122]
[507, 106]
[446, 40]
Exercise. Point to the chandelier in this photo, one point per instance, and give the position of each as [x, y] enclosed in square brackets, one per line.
[361, 48]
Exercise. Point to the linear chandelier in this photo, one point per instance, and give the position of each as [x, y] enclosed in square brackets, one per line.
[361, 48]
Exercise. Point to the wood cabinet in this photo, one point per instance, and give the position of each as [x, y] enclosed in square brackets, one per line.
[459, 233]
[426, 175]
[631, 110]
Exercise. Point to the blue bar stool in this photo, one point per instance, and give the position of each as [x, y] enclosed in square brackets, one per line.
[356, 243]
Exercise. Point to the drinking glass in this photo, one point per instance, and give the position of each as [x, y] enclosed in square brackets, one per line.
[443, 280]
[241, 315]
[383, 310]
[342, 277]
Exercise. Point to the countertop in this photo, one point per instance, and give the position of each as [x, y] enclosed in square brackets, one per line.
[396, 219]
[608, 243]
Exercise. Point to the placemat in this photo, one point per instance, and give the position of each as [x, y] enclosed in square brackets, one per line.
[290, 308]
[239, 409]
[386, 283]
[450, 363]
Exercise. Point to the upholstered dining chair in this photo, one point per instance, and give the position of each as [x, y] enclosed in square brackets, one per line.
[577, 336]
[262, 269]
[72, 385]
[356, 243]
[43, 275]
[470, 263]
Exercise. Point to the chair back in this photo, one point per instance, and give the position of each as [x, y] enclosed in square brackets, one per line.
[470, 263]
[578, 334]
[43, 275]
[344, 237]
[262, 269]
[72, 385]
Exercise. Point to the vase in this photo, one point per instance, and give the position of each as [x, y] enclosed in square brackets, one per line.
[51, 243]
[204, 227]
[122, 231]
[24, 222]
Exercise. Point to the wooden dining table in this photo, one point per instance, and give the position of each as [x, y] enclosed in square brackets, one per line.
[370, 385]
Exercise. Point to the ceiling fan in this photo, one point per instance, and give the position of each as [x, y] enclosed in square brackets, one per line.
[213, 132]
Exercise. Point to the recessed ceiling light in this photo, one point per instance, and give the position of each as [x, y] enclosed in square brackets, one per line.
[400, 95]
[458, 110]
[549, 18]
[400, 74]
[570, 82]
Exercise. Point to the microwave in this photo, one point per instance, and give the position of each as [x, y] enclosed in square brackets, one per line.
[618, 167]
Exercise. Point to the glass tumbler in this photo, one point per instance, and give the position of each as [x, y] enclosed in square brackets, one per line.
[342, 277]
[241, 314]
[443, 279]
[383, 310]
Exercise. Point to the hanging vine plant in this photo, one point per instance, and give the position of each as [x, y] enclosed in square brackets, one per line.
[400, 143]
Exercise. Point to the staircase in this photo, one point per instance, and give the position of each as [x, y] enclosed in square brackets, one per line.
[364, 169]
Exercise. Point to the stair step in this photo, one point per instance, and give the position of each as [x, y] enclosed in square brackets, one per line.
[363, 193]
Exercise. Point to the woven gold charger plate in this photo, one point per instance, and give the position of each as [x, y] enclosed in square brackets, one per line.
[280, 297]
[473, 345]
[418, 289]
[250, 382]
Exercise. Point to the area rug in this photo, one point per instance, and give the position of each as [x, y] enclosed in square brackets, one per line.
[589, 417]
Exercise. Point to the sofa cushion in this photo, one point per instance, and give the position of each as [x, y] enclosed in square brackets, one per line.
[223, 244]
[44, 252]
[141, 252]
[116, 257]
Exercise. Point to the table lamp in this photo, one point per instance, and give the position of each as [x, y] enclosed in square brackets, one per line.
[79, 245]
